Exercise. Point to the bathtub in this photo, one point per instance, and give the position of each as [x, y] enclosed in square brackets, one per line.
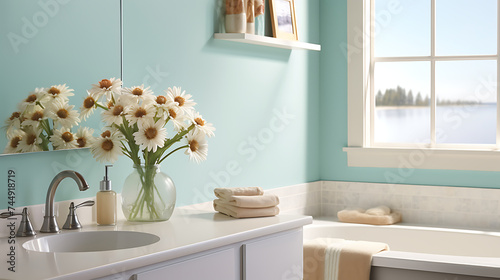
[419, 252]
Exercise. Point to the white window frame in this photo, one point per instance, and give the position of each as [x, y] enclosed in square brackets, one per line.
[360, 151]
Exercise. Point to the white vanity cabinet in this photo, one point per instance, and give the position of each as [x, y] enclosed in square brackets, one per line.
[276, 256]
[218, 265]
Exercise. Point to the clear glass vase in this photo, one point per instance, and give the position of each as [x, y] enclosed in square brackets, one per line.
[148, 195]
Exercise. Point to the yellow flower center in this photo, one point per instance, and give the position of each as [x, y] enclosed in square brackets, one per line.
[137, 91]
[62, 113]
[31, 98]
[180, 100]
[107, 145]
[14, 142]
[151, 133]
[82, 142]
[31, 139]
[54, 91]
[199, 121]
[67, 136]
[106, 134]
[15, 115]
[110, 104]
[38, 115]
[105, 84]
[141, 112]
[117, 110]
[193, 145]
[161, 100]
[172, 113]
[89, 102]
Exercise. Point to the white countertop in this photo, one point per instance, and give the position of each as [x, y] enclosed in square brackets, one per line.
[187, 232]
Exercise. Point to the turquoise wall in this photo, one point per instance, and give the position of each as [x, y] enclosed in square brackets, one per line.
[263, 101]
[238, 87]
[333, 116]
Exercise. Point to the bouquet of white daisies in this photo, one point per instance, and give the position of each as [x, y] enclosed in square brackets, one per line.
[136, 121]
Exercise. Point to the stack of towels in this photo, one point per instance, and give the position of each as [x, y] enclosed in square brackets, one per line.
[246, 202]
[380, 215]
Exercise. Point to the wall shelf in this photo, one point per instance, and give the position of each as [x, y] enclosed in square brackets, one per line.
[267, 41]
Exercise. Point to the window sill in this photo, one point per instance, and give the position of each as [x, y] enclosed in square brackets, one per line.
[407, 158]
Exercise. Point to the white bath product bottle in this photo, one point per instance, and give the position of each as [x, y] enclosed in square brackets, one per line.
[236, 20]
[250, 17]
[106, 202]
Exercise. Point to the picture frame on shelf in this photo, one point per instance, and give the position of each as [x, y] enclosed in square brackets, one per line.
[283, 19]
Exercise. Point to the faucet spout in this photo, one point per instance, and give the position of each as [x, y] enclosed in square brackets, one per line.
[49, 220]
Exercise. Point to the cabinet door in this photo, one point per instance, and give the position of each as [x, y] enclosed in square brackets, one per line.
[220, 265]
[275, 258]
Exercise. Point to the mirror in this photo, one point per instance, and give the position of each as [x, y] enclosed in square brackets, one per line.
[55, 42]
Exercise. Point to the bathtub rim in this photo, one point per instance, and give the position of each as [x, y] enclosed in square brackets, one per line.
[462, 265]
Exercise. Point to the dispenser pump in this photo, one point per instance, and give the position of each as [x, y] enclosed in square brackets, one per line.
[106, 183]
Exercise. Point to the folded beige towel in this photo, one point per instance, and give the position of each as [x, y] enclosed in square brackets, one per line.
[361, 217]
[259, 201]
[379, 211]
[330, 258]
[226, 193]
[239, 212]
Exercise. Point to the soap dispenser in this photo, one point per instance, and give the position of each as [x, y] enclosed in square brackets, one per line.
[106, 202]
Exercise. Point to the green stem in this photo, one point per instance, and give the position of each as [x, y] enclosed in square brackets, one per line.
[182, 147]
[101, 106]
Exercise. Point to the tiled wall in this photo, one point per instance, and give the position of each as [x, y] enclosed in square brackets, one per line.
[429, 205]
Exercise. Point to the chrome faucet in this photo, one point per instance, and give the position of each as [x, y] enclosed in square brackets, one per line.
[49, 220]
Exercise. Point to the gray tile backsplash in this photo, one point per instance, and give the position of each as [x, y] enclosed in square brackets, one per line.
[430, 205]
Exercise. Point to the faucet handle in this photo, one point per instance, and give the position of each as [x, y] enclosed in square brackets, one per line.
[72, 221]
[25, 228]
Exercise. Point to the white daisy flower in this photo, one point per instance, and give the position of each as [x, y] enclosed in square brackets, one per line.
[138, 94]
[139, 113]
[59, 92]
[37, 97]
[35, 117]
[84, 137]
[31, 140]
[107, 147]
[178, 118]
[180, 99]
[198, 147]
[201, 125]
[14, 123]
[162, 105]
[107, 87]
[151, 135]
[88, 106]
[13, 144]
[115, 113]
[63, 139]
[62, 113]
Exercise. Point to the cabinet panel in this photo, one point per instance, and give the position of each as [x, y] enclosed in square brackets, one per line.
[276, 258]
[220, 265]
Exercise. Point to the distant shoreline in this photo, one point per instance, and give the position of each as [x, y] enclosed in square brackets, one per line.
[428, 107]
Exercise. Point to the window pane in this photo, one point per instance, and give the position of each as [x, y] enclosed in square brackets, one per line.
[465, 27]
[402, 94]
[402, 28]
[466, 94]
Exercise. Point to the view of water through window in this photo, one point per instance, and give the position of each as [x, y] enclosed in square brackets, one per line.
[460, 65]
[464, 124]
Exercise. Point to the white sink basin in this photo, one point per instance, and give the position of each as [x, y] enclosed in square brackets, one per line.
[91, 241]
